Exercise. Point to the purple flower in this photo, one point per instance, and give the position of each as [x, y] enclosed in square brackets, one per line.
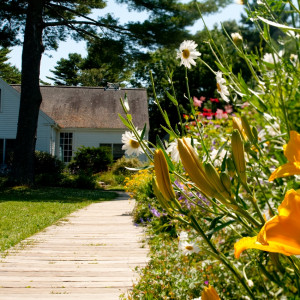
[206, 282]
[155, 212]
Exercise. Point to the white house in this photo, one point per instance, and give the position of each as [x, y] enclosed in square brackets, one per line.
[71, 117]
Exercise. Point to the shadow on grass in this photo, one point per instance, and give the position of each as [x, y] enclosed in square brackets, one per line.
[53, 194]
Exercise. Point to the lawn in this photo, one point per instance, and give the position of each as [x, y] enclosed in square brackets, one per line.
[25, 211]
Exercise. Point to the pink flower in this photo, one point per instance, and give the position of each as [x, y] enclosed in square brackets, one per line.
[198, 102]
[219, 113]
[228, 108]
[245, 104]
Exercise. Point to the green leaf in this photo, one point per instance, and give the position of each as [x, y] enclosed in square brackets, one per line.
[223, 69]
[166, 117]
[218, 228]
[168, 131]
[143, 132]
[125, 122]
[174, 101]
[129, 117]
[213, 224]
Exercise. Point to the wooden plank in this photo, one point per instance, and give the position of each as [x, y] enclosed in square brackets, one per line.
[90, 256]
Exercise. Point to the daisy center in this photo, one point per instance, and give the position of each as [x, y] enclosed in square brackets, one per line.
[219, 87]
[134, 144]
[190, 248]
[186, 53]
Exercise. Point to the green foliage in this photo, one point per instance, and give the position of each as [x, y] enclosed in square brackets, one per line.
[8, 72]
[47, 163]
[120, 166]
[91, 160]
[67, 70]
[79, 181]
[47, 169]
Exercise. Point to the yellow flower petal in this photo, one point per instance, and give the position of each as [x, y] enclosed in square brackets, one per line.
[209, 293]
[292, 153]
[289, 169]
[292, 149]
[281, 233]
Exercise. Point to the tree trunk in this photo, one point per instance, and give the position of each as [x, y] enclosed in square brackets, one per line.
[23, 163]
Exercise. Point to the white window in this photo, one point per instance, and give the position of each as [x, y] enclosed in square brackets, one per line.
[116, 150]
[66, 146]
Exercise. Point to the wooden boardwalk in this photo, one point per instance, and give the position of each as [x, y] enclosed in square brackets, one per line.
[92, 255]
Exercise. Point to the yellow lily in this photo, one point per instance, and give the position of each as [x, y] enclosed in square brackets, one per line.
[281, 233]
[292, 153]
[209, 293]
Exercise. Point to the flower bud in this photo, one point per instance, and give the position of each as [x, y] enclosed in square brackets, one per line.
[214, 179]
[237, 124]
[163, 202]
[195, 168]
[238, 155]
[247, 129]
[162, 175]
[225, 179]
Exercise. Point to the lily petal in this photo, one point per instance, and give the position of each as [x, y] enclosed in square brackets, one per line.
[281, 233]
[209, 293]
[292, 148]
[289, 169]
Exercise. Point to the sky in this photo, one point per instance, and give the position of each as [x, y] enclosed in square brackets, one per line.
[49, 58]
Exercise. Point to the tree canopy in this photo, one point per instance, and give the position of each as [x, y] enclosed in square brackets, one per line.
[9, 73]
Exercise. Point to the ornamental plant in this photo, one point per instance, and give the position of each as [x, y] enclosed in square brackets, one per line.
[242, 202]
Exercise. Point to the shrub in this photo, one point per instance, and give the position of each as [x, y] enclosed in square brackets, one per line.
[121, 165]
[47, 169]
[45, 163]
[80, 181]
[91, 160]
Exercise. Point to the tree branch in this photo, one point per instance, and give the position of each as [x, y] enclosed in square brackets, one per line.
[89, 22]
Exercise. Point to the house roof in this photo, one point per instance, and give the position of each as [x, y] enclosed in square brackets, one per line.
[92, 107]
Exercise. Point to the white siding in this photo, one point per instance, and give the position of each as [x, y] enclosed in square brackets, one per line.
[91, 138]
[96, 137]
[44, 134]
[10, 102]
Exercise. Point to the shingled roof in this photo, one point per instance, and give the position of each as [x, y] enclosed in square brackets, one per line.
[92, 107]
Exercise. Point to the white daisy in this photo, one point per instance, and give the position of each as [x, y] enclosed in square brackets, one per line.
[131, 145]
[183, 236]
[222, 89]
[188, 248]
[187, 53]
[268, 58]
[217, 159]
[173, 148]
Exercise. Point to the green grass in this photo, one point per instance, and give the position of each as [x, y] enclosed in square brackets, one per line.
[25, 211]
